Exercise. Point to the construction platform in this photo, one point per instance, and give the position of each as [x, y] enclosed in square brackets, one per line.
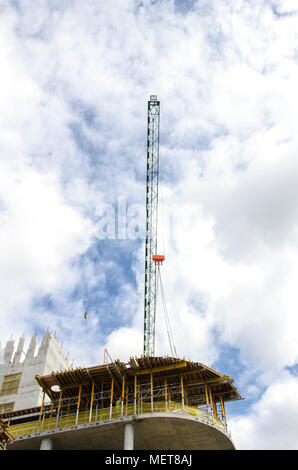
[151, 403]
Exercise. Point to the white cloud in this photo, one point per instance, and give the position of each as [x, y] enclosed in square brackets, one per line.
[125, 343]
[40, 234]
[272, 422]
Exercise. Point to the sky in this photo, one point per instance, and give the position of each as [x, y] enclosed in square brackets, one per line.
[75, 81]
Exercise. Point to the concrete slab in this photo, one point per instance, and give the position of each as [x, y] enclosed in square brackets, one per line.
[155, 431]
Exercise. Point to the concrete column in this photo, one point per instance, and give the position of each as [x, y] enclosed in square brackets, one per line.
[8, 352]
[128, 436]
[18, 354]
[32, 347]
[46, 444]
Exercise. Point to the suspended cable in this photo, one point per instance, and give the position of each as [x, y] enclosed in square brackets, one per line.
[167, 319]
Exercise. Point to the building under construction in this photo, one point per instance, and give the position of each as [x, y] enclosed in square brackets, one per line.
[147, 403]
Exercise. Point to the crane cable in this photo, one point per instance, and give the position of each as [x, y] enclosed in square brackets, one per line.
[167, 319]
[159, 281]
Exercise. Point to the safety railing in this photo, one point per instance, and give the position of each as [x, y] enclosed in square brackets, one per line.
[111, 413]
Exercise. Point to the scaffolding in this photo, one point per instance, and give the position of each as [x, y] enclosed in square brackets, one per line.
[116, 390]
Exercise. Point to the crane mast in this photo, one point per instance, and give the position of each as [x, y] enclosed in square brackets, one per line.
[151, 224]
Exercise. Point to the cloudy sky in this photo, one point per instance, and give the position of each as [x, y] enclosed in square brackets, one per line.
[75, 80]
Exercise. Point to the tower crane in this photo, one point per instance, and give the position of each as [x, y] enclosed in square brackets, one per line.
[151, 224]
[152, 259]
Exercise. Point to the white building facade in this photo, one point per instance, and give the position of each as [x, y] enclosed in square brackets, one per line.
[18, 388]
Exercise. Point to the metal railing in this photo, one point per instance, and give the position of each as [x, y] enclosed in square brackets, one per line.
[112, 413]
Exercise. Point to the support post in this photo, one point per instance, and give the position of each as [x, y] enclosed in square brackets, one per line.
[166, 394]
[151, 391]
[111, 399]
[91, 402]
[59, 406]
[211, 402]
[223, 410]
[41, 410]
[182, 394]
[78, 404]
[122, 394]
[46, 444]
[207, 399]
[135, 396]
[128, 436]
